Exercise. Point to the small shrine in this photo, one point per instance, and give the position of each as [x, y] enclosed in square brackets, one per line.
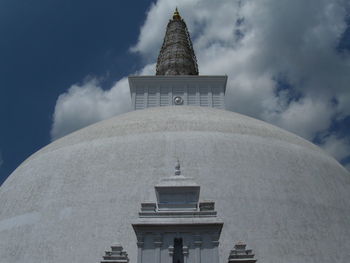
[239, 254]
[178, 228]
[115, 255]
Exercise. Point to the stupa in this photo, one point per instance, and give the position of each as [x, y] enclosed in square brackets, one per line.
[280, 194]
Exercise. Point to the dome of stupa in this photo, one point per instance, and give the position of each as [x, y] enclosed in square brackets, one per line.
[279, 193]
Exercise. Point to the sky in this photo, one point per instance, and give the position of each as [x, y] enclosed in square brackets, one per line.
[64, 64]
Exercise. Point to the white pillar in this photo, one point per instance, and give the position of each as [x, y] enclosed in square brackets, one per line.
[157, 245]
[210, 97]
[139, 248]
[197, 248]
[215, 243]
[145, 98]
[198, 99]
[185, 253]
[158, 96]
[171, 253]
[133, 100]
[170, 96]
[222, 95]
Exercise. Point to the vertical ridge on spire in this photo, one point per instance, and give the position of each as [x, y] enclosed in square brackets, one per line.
[176, 56]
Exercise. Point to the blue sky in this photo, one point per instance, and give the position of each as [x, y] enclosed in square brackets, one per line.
[45, 47]
[64, 64]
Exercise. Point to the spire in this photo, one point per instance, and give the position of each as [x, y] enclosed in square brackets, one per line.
[176, 56]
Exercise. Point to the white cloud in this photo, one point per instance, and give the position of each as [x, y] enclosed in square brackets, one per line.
[254, 42]
[305, 117]
[337, 147]
[347, 166]
[280, 37]
[85, 104]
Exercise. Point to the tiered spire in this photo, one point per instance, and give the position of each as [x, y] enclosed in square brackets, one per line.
[176, 56]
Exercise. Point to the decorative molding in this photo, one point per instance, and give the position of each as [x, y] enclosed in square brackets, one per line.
[171, 250]
[115, 255]
[140, 240]
[157, 240]
[197, 240]
[239, 254]
[185, 250]
[199, 88]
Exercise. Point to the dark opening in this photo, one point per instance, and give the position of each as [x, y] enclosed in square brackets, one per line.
[178, 256]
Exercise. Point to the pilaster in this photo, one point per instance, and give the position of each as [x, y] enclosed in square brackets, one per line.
[185, 252]
[197, 243]
[140, 243]
[157, 242]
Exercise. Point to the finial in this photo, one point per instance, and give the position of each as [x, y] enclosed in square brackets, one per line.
[176, 14]
[177, 168]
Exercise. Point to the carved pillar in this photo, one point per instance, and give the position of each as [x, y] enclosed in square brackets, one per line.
[145, 98]
[197, 248]
[222, 95]
[140, 244]
[170, 96]
[210, 96]
[171, 253]
[185, 253]
[133, 99]
[158, 96]
[157, 241]
[215, 243]
[198, 101]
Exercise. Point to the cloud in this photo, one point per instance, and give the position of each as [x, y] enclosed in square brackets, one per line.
[263, 46]
[280, 56]
[347, 166]
[253, 42]
[337, 147]
[306, 117]
[87, 103]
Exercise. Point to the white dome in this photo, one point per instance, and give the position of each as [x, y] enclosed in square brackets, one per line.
[283, 196]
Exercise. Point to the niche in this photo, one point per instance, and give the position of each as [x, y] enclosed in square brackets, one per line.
[178, 256]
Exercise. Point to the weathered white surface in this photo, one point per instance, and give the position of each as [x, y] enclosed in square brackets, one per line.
[283, 196]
